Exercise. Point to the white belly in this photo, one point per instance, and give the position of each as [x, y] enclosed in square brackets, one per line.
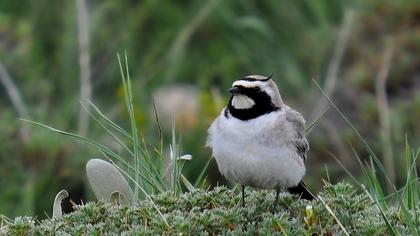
[260, 157]
[259, 167]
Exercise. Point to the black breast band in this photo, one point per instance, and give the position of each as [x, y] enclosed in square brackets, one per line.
[263, 104]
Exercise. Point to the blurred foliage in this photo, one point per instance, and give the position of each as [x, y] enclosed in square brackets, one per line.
[206, 44]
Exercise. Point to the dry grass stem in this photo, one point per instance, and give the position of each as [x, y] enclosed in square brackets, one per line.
[334, 66]
[383, 109]
[84, 62]
[16, 99]
[184, 36]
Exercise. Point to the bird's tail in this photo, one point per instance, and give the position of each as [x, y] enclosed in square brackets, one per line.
[302, 191]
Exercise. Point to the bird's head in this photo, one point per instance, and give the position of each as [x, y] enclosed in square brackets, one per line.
[254, 95]
[249, 90]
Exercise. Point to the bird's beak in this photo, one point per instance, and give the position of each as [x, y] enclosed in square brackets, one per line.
[234, 90]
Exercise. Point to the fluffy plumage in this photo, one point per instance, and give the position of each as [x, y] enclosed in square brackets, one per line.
[257, 140]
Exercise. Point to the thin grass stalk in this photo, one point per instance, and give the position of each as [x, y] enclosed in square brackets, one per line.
[390, 227]
[129, 103]
[389, 196]
[407, 207]
[371, 180]
[328, 173]
[110, 122]
[84, 62]
[172, 168]
[152, 170]
[409, 193]
[401, 191]
[157, 119]
[133, 120]
[16, 98]
[144, 192]
[87, 141]
[160, 151]
[146, 163]
[412, 192]
[187, 183]
[360, 137]
[409, 219]
[199, 180]
[151, 181]
[5, 219]
[174, 148]
[345, 169]
[338, 54]
[334, 216]
[151, 164]
[383, 108]
[106, 129]
[173, 157]
[312, 125]
[381, 201]
[174, 55]
[415, 173]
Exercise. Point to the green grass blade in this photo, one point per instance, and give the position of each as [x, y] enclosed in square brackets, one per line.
[157, 188]
[145, 193]
[371, 179]
[5, 219]
[129, 102]
[88, 141]
[110, 122]
[329, 210]
[149, 164]
[344, 168]
[98, 146]
[410, 192]
[362, 140]
[315, 122]
[203, 171]
[187, 183]
[402, 190]
[391, 229]
[174, 159]
[143, 149]
[409, 219]
[147, 170]
[106, 129]
[103, 149]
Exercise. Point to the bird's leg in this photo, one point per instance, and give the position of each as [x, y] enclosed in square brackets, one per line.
[275, 201]
[243, 195]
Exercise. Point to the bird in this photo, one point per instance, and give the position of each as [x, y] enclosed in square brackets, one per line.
[259, 141]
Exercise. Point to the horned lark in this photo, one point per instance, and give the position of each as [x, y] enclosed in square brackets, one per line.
[258, 140]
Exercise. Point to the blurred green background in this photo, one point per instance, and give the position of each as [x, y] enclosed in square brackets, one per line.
[184, 55]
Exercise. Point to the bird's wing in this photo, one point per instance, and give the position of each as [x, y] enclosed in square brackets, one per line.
[296, 120]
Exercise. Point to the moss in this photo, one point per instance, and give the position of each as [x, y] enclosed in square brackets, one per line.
[219, 212]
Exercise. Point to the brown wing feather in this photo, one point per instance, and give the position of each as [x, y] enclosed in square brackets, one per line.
[298, 123]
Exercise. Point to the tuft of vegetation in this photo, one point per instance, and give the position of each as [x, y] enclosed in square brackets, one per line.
[202, 46]
[219, 212]
[143, 166]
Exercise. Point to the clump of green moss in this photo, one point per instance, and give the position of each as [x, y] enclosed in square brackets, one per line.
[219, 212]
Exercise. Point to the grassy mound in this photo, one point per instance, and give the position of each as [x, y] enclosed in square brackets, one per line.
[219, 212]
